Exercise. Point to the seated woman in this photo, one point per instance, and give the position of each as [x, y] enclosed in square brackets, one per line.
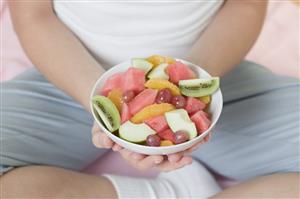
[46, 119]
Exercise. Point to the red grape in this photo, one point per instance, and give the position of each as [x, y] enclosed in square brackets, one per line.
[164, 96]
[181, 137]
[179, 101]
[153, 140]
[128, 96]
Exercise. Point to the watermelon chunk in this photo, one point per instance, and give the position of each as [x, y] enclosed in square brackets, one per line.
[193, 105]
[207, 115]
[167, 135]
[113, 82]
[133, 80]
[201, 121]
[158, 123]
[125, 113]
[145, 98]
[179, 71]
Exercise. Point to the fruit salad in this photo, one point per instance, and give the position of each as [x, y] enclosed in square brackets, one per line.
[156, 102]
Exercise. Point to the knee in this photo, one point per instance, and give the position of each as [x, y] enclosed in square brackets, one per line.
[30, 182]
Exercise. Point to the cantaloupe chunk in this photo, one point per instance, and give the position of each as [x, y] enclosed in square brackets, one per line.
[205, 99]
[158, 59]
[166, 143]
[151, 111]
[116, 97]
[161, 84]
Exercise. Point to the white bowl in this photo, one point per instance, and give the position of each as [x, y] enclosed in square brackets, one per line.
[215, 109]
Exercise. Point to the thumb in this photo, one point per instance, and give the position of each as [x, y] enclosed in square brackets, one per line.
[101, 140]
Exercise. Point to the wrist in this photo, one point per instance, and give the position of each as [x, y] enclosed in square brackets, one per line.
[89, 84]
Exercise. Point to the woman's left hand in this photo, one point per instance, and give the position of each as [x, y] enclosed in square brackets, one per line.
[161, 162]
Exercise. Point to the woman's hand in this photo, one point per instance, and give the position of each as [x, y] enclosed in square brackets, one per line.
[100, 139]
[161, 162]
[145, 162]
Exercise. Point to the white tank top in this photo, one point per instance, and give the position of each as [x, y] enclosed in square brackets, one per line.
[115, 31]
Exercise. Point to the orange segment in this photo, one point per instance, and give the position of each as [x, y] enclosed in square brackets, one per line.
[166, 143]
[116, 97]
[161, 84]
[151, 111]
[158, 59]
[205, 99]
[169, 60]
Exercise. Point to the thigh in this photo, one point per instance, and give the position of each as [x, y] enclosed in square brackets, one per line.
[258, 132]
[45, 182]
[42, 125]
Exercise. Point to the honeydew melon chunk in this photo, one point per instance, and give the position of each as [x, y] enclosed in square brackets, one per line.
[179, 120]
[183, 114]
[135, 133]
[141, 64]
[159, 72]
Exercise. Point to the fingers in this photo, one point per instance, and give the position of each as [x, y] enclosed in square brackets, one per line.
[125, 154]
[101, 140]
[196, 146]
[140, 161]
[207, 138]
[175, 157]
[149, 162]
[96, 128]
[178, 159]
[116, 147]
[144, 162]
[169, 166]
[137, 156]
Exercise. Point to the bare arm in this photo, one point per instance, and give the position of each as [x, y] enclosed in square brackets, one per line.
[54, 50]
[230, 36]
[60, 56]
[223, 44]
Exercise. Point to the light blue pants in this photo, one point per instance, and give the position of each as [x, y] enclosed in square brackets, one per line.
[257, 134]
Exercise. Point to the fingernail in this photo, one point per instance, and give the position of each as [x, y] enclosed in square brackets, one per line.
[197, 148]
[173, 159]
[189, 161]
[117, 148]
[114, 148]
[136, 156]
[107, 143]
[157, 161]
[98, 140]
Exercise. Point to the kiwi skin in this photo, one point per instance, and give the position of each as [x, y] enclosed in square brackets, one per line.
[108, 115]
[196, 87]
[199, 89]
[107, 112]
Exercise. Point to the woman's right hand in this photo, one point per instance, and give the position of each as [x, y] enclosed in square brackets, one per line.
[100, 139]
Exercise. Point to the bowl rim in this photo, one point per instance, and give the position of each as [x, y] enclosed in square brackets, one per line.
[141, 147]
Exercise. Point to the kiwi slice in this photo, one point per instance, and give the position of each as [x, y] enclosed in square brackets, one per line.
[107, 112]
[199, 87]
